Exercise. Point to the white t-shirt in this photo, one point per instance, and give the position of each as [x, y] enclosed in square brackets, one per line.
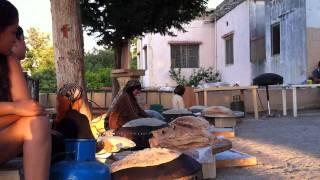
[177, 102]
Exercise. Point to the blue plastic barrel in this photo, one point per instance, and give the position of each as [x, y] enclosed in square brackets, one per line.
[80, 162]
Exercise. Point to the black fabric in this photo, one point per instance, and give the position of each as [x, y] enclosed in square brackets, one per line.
[180, 167]
[5, 94]
[74, 126]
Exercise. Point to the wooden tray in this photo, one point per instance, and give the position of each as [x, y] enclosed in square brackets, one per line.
[222, 145]
[233, 158]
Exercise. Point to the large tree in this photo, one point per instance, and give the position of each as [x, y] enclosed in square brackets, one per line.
[68, 45]
[115, 22]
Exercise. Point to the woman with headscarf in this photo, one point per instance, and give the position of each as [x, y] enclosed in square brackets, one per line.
[125, 106]
[69, 122]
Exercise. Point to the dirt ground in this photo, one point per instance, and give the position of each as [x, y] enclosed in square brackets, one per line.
[285, 148]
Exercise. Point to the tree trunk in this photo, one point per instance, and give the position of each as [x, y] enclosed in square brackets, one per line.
[68, 46]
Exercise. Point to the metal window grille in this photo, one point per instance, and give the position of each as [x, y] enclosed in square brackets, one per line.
[185, 56]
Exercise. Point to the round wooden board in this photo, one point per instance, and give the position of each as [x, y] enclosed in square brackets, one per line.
[221, 145]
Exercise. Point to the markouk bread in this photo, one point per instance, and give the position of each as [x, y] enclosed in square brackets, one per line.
[182, 135]
[195, 122]
[116, 143]
[145, 158]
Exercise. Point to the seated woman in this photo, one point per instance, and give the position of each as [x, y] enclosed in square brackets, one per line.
[23, 125]
[177, 100]
[69, 122]
[125, 106]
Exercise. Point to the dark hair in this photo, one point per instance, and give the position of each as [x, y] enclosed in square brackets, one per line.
[130, 90]
[19, 33]
[131, 86]
[179, 90]
[8, 16]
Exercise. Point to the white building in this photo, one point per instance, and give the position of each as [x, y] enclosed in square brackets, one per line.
[231, 41]
[189, 50]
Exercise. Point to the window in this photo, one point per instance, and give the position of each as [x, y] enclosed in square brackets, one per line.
[184, 55]
[229, 49]
[145, 52]
[275, 39]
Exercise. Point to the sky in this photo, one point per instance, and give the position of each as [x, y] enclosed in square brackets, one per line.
[37, 13]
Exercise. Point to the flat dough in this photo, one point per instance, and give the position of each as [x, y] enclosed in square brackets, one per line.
[145, 158]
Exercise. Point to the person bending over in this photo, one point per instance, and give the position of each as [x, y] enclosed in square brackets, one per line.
[125, 106]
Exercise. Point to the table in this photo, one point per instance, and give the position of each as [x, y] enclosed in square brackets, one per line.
[294, 95]
[230, 88]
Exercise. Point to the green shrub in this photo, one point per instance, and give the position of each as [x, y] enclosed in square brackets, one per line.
[199, 75]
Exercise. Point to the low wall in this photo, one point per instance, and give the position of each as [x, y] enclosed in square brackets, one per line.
[103, 99]
[306, 97]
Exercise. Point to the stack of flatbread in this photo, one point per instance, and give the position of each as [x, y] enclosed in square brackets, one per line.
[184, 133]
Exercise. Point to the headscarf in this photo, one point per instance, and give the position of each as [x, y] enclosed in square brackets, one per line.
[133, 83]
[72, 91]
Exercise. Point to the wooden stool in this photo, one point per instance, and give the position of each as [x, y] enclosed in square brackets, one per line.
[12, 170]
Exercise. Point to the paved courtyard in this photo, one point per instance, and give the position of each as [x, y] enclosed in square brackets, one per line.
[285, 147]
